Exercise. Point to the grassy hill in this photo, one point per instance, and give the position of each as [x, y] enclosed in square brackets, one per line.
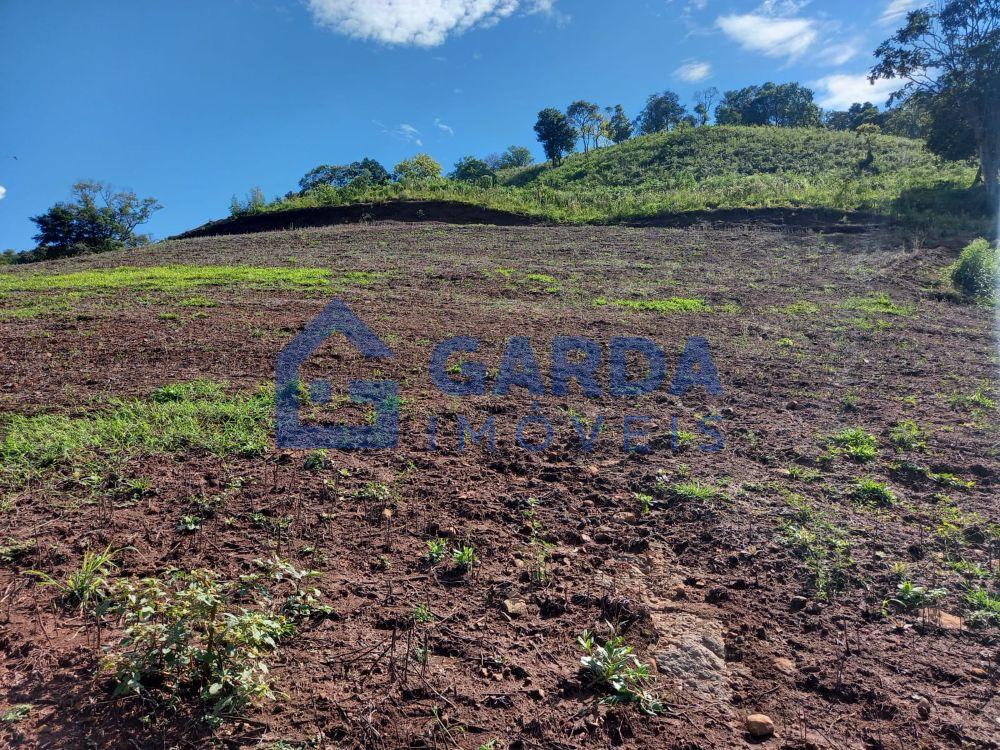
[700, 169]
[678, 159]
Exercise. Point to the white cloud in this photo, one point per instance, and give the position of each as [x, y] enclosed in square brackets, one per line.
[403, 131]
[694, 71]
[897, 9]
[838, 54]
[3, 192]
[840, 91]
[442, 127]
[424, 23]
[770, 36]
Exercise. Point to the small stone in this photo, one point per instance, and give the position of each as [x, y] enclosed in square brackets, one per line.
[515, 607]
[797, 603]
[785, 665]
[924, 708]
[759, 726]
[537, 693]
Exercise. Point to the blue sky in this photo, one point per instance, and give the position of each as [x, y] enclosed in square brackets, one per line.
[194, 100]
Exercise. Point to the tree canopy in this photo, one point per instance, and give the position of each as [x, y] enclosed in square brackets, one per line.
[662, 112]
[471, 169]
[417, 168]
[556, 134]
[950, 54]
[98, 218]
[787, 105]
[366, 170]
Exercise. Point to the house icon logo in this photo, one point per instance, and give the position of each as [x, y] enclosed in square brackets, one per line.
[383, 432]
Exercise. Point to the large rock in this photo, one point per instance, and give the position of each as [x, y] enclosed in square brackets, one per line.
[759, 726]
[691, 650]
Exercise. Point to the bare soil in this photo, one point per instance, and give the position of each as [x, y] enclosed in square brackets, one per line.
[715, 593]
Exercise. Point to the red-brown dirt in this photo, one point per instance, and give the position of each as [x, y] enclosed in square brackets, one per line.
[717, 594]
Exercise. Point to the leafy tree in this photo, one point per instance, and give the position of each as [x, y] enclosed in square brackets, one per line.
[662, 112]
[418, 168]
[368, 170]
[787, 105]
[471, 169]
[97, 219]
[704, 100]
[556, 134]
[8, 257]
[853, 117]
[513, 156]
[952, 53]
[617, 127]
[586, 117]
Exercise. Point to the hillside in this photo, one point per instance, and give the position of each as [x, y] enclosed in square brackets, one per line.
[814, 566]
[712, 168]
[680, 158]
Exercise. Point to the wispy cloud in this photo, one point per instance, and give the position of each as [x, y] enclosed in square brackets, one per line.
[442, 127]
[694, 71]
[897, 9]
[838, 54]
[840, 91]
[422, 23]
[404, 132]
[3, 192]
[769, 35]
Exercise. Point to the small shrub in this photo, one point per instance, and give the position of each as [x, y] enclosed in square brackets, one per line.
[464, 557]
[186, 636]
[870, 491]
[614, 667]
[908, 436]
[975, 273]
[909, 596]
[436, 550]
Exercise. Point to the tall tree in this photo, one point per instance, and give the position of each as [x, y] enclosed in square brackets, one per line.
[556, 134]
[787, 105]
[704, 101]
[98, 218]
[586, 117]
[418, 168]
[471, 169]
[617, 127]
[662, 112]
[367, 170]
[951, 52]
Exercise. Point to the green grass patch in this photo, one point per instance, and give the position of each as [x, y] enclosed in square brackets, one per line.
[869, 491]
[983, 606]
[171, 278]
[197, 302]
[197, 416]
[855, 443]
[824, 547]
[876, 304]
[668, 306]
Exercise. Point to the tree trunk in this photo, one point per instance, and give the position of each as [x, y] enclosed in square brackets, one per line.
[990, 166]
